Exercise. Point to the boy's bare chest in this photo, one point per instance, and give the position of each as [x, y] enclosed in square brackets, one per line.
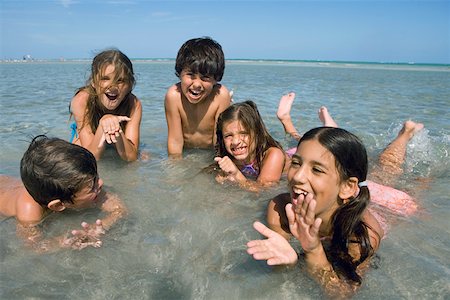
[198, 119]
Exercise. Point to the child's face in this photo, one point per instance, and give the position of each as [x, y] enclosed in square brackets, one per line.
[111, 93]
[88, 196]
[196, 87]
[313, 171]
[237, 141]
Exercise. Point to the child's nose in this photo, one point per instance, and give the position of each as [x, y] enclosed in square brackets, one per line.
[236, 139]
[300, 175]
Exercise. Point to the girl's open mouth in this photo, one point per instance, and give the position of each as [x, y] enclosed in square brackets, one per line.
[111, 96]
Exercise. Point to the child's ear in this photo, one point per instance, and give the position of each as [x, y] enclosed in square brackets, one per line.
[56, 205]
[349, 188]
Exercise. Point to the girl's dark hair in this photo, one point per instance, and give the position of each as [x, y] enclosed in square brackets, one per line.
[348, 227]
[201, 56]
[123, 70]
[247, 113]
[52, 168]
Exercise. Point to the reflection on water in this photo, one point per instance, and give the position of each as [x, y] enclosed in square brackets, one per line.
[185, 235]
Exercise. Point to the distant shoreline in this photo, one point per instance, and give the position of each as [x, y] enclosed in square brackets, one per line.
[284, 62]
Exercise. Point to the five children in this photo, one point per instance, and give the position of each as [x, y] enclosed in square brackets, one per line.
[328, 192]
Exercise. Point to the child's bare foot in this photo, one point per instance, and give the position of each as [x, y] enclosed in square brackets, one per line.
[326, 118]
[284, 107]
[410, 128]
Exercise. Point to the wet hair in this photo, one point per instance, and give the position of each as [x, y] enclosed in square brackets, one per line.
[123, 69]
[201, 56]
[248, 115]
[348, 227]
[52, 168]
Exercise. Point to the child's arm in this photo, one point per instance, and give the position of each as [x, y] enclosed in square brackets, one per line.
[175, 140]
[127, 143]
[33, 237]
[95, 143]
[115, 209]
[90, 234]
[270, 173]
[304, 225]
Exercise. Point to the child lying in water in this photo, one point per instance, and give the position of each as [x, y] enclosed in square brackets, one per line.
[390, 160]
[57, 175]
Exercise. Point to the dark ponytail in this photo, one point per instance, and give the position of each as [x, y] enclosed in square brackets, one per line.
[347, 225]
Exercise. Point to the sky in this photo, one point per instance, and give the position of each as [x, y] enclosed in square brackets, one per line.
[335, 30]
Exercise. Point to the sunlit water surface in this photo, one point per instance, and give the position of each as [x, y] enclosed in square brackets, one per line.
[185, 235]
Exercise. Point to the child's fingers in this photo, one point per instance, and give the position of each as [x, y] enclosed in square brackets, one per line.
[315, 228]
[123, 118]
[310, 215]
[290, 213]
[217, 159]
[113, 138]
[108, 138]
[263, 229]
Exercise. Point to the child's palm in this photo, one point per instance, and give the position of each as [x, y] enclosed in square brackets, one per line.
[303, 224]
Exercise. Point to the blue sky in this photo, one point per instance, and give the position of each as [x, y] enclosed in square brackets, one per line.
[377, 31]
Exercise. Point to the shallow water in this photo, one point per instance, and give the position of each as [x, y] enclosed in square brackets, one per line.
[185, 235]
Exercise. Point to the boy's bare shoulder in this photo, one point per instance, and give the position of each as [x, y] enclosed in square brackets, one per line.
[221, 98]
[9, 187]
[173, 92]
[29, 212]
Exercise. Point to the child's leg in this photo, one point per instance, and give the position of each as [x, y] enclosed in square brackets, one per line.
[326, 118]
[393, 156]
[284, 114]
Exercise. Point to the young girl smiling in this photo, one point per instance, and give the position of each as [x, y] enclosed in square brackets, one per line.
[325, 210]
[246, 152]
[105, 110]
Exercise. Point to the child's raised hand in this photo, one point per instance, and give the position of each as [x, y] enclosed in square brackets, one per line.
[88, 236]
[110, 125]
[275, 249]
[227, 165]
[303, 223]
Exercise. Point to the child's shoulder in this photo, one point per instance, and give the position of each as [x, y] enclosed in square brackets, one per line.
[221, 95]
[79, 100]
[28, 211]
[173, 92]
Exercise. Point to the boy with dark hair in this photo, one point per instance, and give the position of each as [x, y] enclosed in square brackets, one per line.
[57, 175]
[193, 105]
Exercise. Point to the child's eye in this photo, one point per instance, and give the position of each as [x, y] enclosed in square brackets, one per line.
[295, 163]
[317, 170]
[206, 78]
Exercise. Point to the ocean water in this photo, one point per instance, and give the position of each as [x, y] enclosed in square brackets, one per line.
[185, 235]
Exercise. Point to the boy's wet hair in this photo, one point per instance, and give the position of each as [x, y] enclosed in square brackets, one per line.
[201, 56]
[52, 168]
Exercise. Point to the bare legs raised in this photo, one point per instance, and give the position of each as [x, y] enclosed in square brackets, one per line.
[284, 115]
[326, 118]
[393, 156]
